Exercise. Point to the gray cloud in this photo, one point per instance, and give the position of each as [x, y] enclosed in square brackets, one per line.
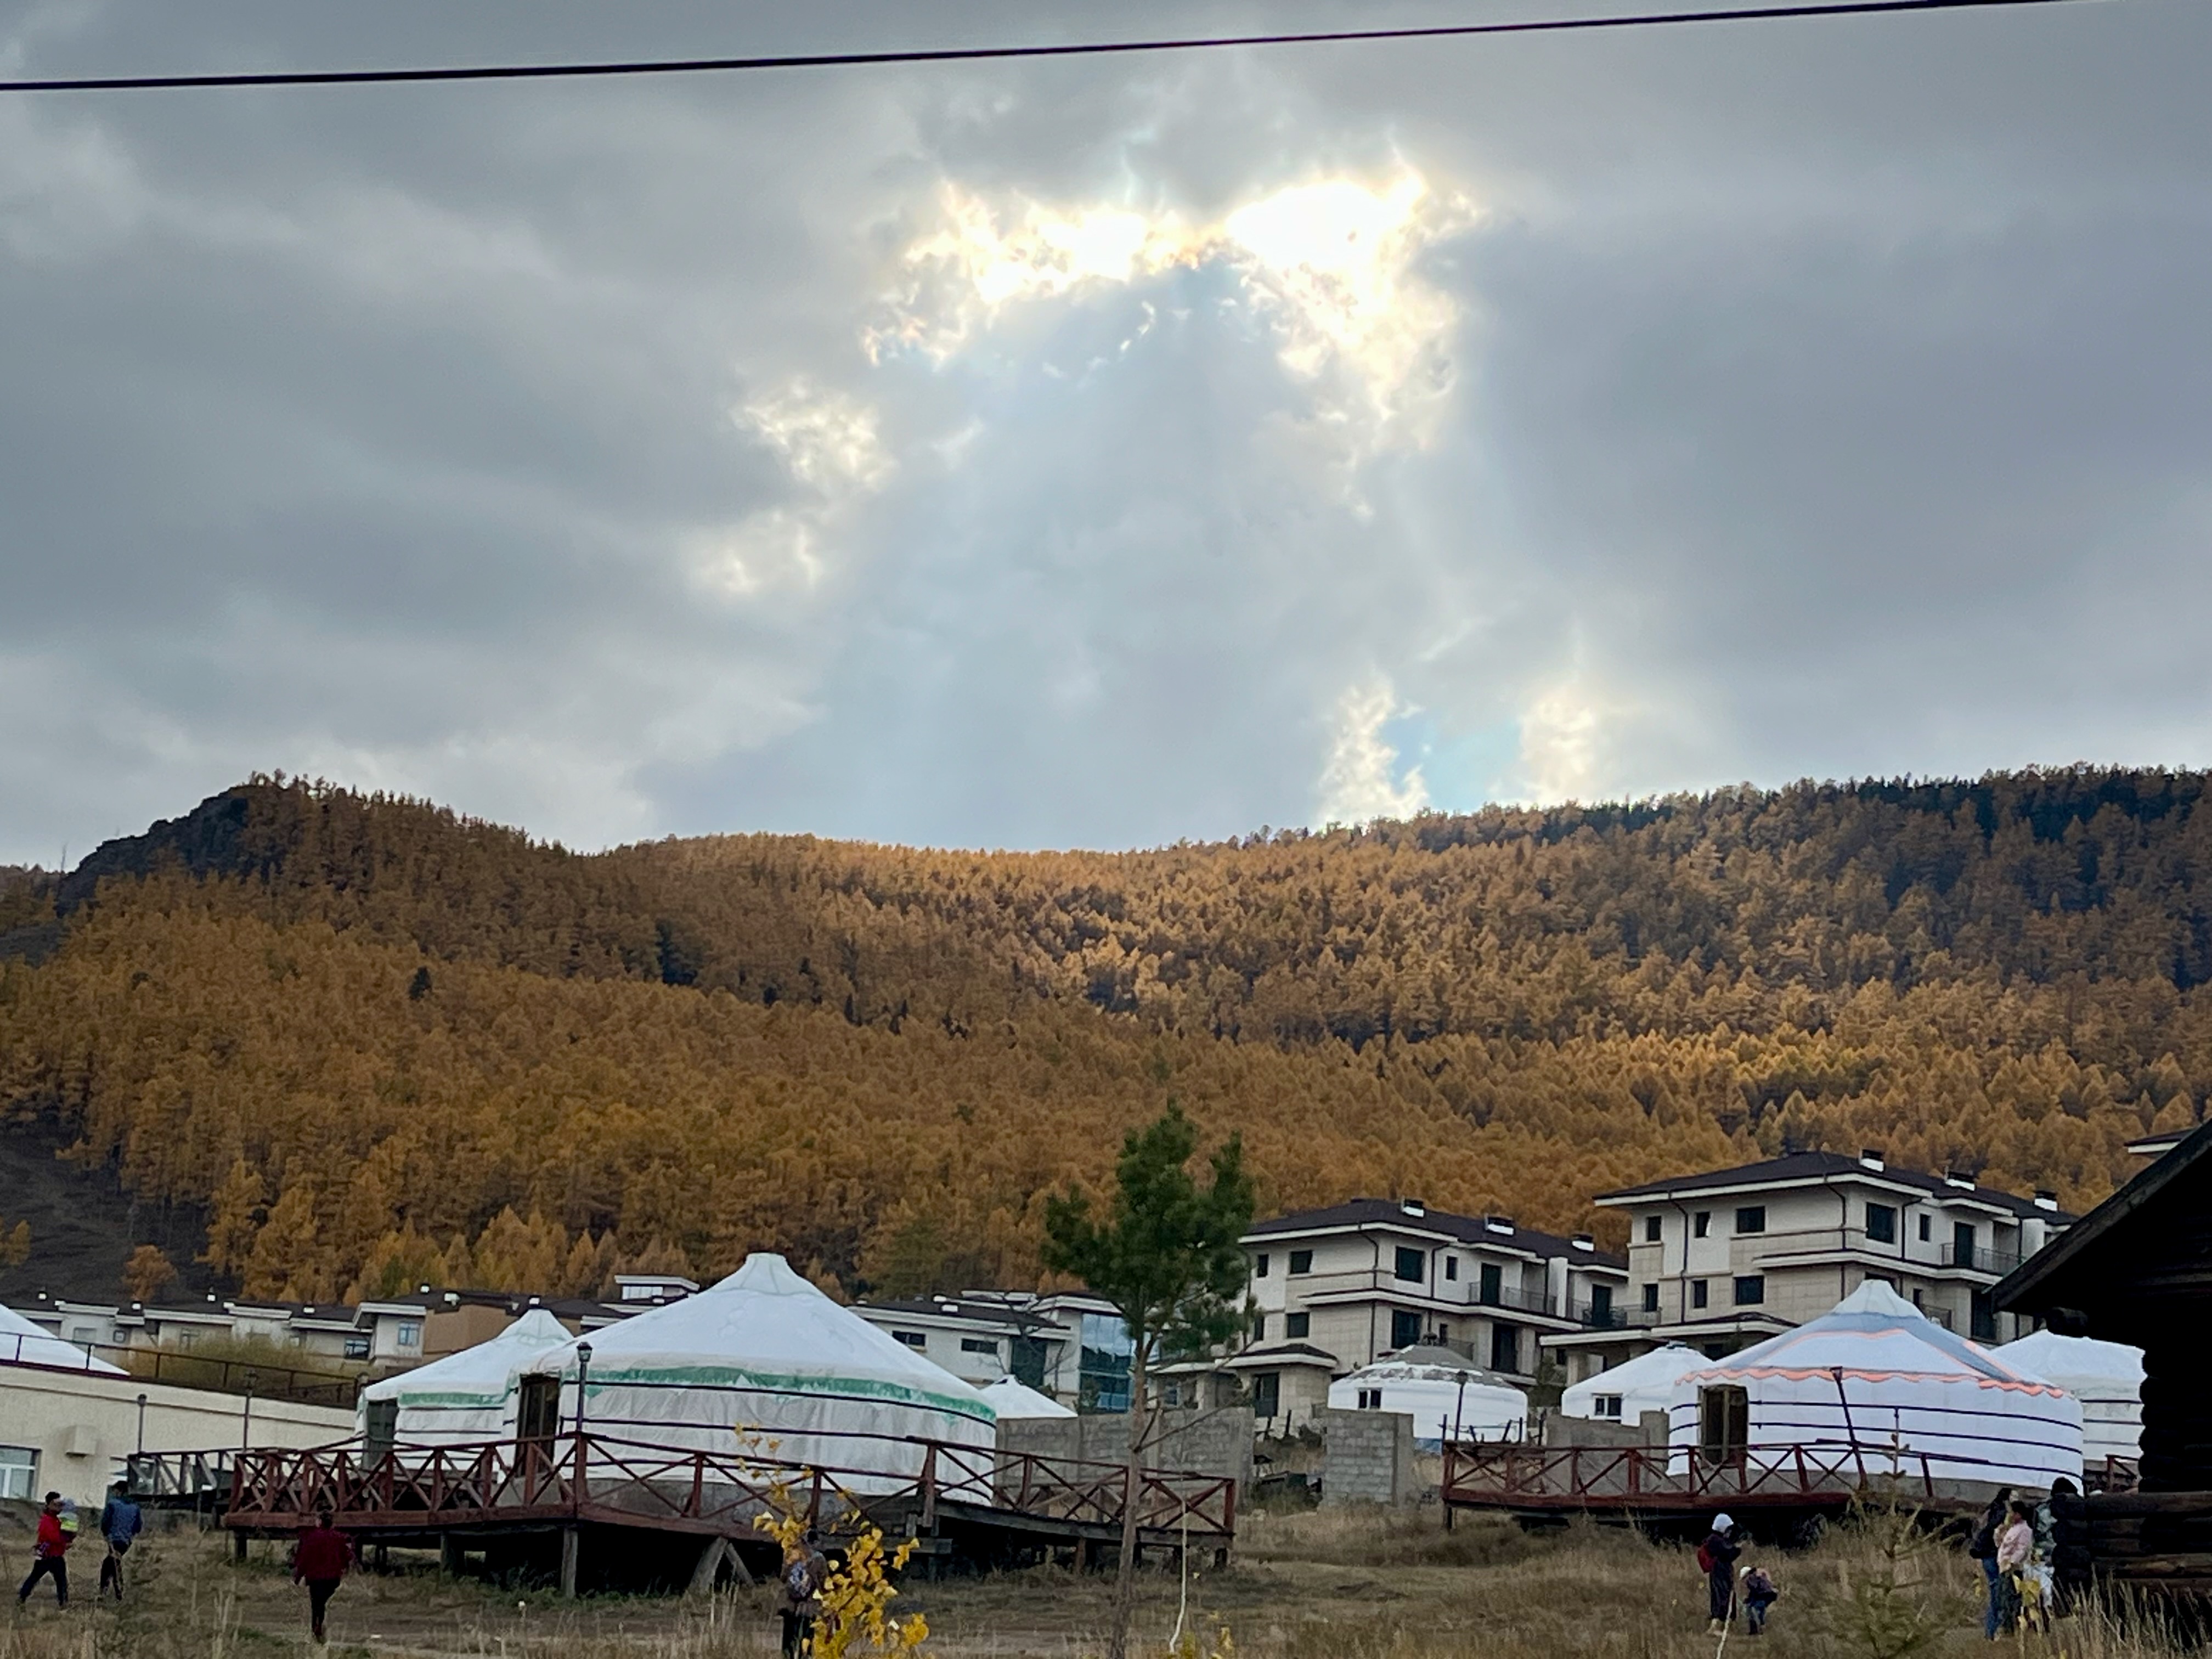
[1812, 399]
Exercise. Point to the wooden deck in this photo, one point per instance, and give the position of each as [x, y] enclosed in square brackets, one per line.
[1650, 1483]
[963, 1503]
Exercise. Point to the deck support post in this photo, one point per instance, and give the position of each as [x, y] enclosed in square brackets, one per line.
[384, 1557]
[238, 1546]
[571, 1547]
[449, 1555]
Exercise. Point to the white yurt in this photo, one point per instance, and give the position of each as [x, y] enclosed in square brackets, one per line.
[1010, 1397]
[1877, 1372]
[1623, 1393]
[23, 1343]
[2106, 1378]
[764, 1363]
[466, 1396]
[1425, 1383]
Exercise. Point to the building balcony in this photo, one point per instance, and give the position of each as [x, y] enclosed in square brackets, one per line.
[1974, 1258]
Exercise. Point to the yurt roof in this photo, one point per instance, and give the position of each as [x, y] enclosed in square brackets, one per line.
[1011, 1397]
[477, 1376]
[2076, 1361]
[765, 1326]
[1657, 1370]
[40, 1347]
[1429, 1364]
[1659, 1365]
[1871, 1335]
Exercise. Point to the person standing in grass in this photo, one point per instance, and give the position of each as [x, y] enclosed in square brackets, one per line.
[1717, 1556]
[320, 1561]
[119, 1522]
[1984, 1548]
[2016, 1545]
[803, 1576]
[48, 1553]
[1759, 1594]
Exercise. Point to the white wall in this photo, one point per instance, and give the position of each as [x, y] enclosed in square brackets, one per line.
[83, 1426]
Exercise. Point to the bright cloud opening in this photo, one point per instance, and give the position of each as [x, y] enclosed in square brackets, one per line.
[1330, 265]
[1360, 780]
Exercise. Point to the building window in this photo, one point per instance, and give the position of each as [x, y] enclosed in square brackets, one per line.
[1881, 1223]
[18, 1466]
[1411, 1266]
[1298, 1325]
[917, 1340]
[1925, 1230]
[1698, 1294]
[1405, 1329]
[1491, 1286]
[1371, 1400]
[1301, 1261]
[1651, 1299]
[357, 1348]
[1750, 1290]
[408, 1333]
[980, 1345]
[1504, 1348]
[1260, 1265]
[1701, 1224]
[1650, 1230]
[1266, 1394]
[1451, 1267]
[1102, 1369]
[1606, 1405]
[1751, 1218]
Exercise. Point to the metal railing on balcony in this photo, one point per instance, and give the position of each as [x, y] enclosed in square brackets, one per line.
[1521, 1301]
[1980, 1259]
[1599, 1316]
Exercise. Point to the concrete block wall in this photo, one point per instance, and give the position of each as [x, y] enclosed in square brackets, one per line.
[1369, 1458]
[1205, 1440]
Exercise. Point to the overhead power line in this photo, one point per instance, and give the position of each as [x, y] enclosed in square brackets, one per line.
[975, 54]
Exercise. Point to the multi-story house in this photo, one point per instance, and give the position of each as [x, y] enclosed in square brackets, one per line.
[1070, 1345]
[1725, 1259]
[1337, 1288]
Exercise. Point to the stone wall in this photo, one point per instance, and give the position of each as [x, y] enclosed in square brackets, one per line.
[1205, 1440]
[1370, 1458]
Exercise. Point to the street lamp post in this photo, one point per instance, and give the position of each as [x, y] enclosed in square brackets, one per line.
[246, 1428]
[142, 1424]
[583, 1375]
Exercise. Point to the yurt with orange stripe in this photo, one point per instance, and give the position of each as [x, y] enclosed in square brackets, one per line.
[1876, 1379]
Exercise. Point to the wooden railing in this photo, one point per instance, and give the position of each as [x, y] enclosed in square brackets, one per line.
[182, 1368]
[591, 1476]
[195, 1476]
[1631, 1477]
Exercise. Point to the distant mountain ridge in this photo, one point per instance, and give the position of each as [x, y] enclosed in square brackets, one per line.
[1509, 1008]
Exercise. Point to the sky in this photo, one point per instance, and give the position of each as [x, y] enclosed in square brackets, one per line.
[1095, 452]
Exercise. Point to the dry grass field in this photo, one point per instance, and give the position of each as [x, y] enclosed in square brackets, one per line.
[1339, 1585]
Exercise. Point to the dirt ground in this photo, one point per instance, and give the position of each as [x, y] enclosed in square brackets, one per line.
[1342, 1585]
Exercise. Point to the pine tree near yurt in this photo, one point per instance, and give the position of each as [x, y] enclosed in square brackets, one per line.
[1169, 1260]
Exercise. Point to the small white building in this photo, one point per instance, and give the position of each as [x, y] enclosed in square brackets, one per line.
[1446, 1397]
[465, 1397]
[1624, 1393]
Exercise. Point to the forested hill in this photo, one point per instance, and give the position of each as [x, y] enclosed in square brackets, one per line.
[384, 1042]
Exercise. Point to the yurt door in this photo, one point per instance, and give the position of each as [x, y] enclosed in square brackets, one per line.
[381, 1427]
[1723, 1426]
[538, 1413]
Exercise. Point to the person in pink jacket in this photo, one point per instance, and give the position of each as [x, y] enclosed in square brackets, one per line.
[2016, 1543]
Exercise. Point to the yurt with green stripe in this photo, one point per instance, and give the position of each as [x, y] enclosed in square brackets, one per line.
[764, 1363]
[464, 1398]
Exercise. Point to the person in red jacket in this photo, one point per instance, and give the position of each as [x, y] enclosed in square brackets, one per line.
[319, 1560]
[46, 1554]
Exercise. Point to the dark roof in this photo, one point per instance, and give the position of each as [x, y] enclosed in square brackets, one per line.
[1813, 1166]
[2078, 1269]
[1471, 1230]
[996, 1313]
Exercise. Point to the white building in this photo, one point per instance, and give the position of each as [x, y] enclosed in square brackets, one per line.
[1734, 1256]
[1337, 1289]
[1072, 1347]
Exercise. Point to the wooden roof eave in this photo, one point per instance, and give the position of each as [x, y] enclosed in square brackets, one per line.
[2039, 1283]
